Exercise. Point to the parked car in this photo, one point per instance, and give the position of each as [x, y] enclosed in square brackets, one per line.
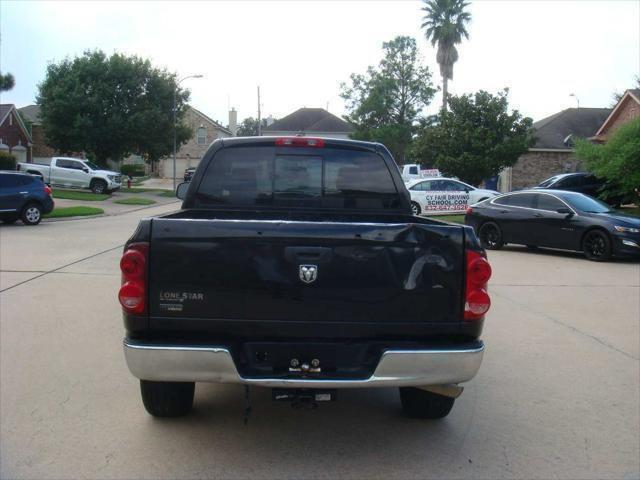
[586, 183]
[556, 219]
[295, 264]
[23, 196]
[74, 173]
[444, 195]
[188, 173]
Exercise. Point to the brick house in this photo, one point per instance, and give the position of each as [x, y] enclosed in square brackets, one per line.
[14, 135]
[627, 108]
[314, 122]
[552, 152]
[205, 131]
[41, 151]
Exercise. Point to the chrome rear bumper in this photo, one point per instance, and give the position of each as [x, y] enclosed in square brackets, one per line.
[397, 368]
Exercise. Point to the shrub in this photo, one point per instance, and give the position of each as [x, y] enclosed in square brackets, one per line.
[7, 161]
[618, 160]
[133, 170]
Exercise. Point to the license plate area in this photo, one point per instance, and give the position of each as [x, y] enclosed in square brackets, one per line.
[312, 360]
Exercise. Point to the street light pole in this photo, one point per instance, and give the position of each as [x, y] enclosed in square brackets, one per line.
[175, 126]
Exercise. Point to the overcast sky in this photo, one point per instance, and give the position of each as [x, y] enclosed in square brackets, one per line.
[300, 51]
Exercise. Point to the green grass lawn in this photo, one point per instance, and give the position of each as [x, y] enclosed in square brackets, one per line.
[448, 218]
[167, 193]
[80, 211]
[137, 190]
[135, 201]
[77, 195]
[137, 180]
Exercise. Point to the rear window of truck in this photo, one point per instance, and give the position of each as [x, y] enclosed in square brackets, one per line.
[332, 178]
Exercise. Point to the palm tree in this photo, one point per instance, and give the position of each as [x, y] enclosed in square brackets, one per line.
[445, 23]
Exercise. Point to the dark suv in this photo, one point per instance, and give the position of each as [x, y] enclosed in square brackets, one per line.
[23, 196]
[583, 182]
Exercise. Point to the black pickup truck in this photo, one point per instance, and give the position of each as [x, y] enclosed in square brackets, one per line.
[295, 264]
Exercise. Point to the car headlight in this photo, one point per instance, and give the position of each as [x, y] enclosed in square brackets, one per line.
[626, 229]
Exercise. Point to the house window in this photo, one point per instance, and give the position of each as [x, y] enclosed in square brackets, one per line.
[201, 136]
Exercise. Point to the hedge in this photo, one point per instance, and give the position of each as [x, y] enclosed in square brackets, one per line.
[7, 161]
[133, 170]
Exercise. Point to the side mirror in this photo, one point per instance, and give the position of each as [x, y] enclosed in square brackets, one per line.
[85, 169]
[181, 190]
[565, 211]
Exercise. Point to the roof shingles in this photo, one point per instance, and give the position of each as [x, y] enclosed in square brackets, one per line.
[310, 120]
[551, 132]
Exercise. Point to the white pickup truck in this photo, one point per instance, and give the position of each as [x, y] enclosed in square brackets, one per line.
[75, 173]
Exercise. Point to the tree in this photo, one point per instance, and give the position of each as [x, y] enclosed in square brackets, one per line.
[445, 23]
[111, 107]
[249, 127]
[385, 103]
[617, 161]
[476, 138]
[617, 96]
[7, 82]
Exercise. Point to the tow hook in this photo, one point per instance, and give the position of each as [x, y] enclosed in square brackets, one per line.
[449, 390]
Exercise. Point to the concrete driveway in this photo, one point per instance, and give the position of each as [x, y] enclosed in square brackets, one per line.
[556, 397]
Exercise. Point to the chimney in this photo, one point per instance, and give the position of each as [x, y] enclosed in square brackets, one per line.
[233, 121]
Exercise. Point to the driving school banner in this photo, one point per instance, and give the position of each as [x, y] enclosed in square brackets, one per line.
[446, 202]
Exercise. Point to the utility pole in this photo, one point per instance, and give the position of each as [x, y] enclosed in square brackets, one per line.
[259, 119]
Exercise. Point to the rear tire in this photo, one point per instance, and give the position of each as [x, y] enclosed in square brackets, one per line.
[596, 246]
[31, 214]
[417, 403]
[490, 236]
[99, 186]
[415, 208]
[167, 399]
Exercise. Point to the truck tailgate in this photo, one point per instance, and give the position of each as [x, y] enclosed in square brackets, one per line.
[250, 271]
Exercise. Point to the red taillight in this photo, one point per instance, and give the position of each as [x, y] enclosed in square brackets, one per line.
[47, 189]
[133, 265]
[299, 142]
[477, 301]
[469, 211]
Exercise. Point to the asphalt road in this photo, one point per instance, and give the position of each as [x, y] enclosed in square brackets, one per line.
[558, 395]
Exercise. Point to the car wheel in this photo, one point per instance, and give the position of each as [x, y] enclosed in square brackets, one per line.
[415, 208]
[167, 399]
[491, 236]
[596, 246]
[417, 403]
[98, 186]
[31, 214]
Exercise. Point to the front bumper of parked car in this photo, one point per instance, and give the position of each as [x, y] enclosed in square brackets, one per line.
[626, 244]
[209, 363]
[114, 182]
